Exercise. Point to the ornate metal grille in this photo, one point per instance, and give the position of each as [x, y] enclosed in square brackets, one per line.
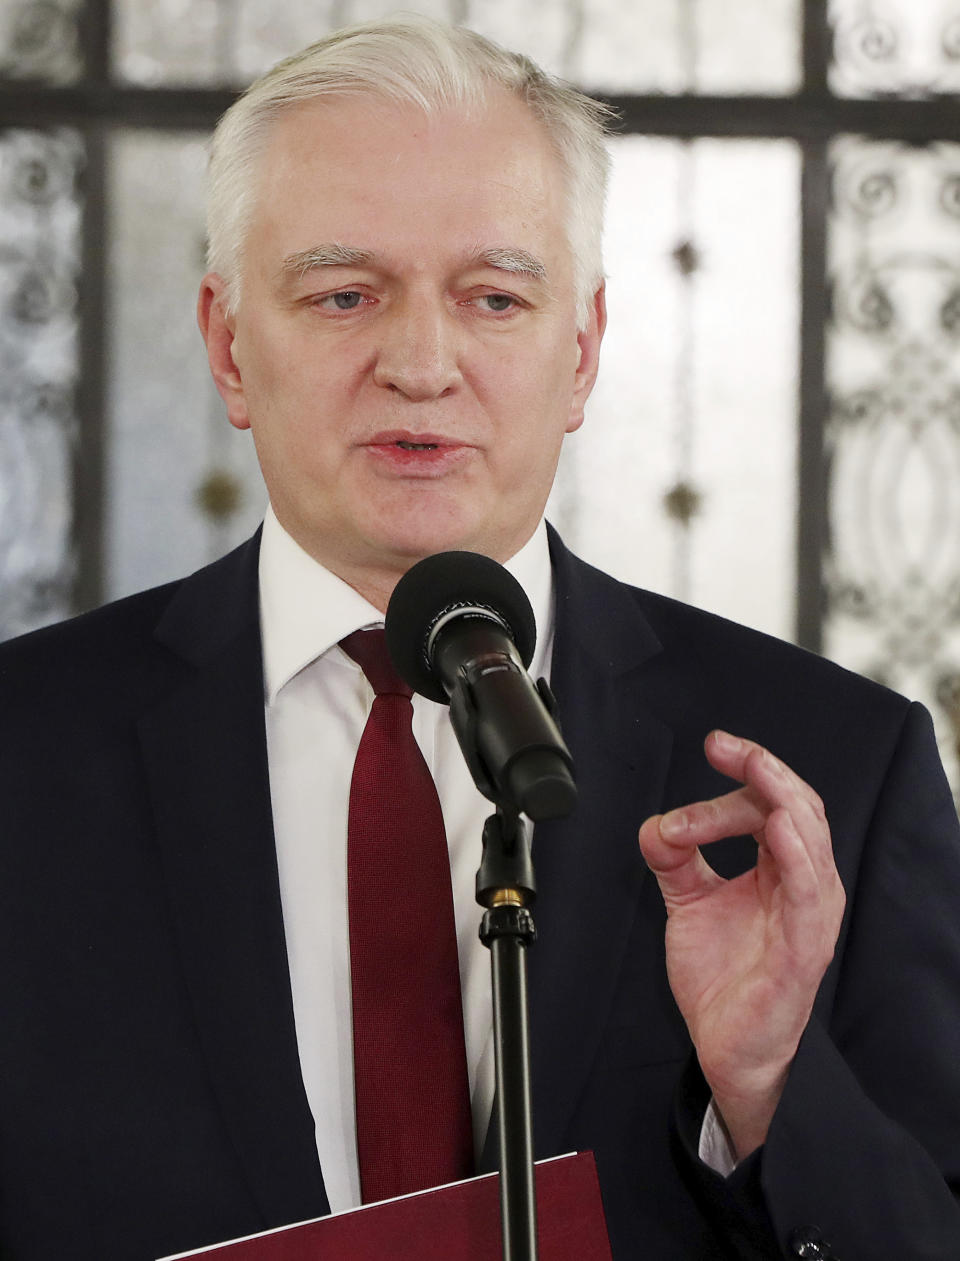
[39, 40]
[889, 47]
[892, 574]
[39, 264]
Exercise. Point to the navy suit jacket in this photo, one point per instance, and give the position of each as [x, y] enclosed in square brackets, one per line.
[150, 1090]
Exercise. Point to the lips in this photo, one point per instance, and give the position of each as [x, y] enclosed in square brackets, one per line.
[407, 441]
[405, 453]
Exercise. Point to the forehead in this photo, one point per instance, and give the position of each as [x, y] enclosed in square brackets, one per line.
[387, 176]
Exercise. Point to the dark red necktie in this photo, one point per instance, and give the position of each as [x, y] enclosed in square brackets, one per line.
[410, 1069]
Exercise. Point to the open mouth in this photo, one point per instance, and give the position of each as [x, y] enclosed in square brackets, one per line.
[416, 446]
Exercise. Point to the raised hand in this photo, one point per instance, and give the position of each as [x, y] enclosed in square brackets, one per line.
[745, 956]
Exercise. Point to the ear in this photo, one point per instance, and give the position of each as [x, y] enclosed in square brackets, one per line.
[588, 342]
[219, 329]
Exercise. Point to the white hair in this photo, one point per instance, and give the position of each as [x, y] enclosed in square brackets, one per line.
[411, 60]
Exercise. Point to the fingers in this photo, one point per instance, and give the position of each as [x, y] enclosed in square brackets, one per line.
[775, 805]
[737, 813]
[794, 865]
[751, 764]
[768, 785]
[795, 822]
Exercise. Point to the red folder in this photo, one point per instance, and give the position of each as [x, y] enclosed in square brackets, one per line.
[460, 1222]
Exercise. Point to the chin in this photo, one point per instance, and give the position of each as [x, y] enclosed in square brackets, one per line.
[411, 540]
[409, 551]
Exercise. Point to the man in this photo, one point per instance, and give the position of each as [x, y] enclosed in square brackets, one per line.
[406, 308]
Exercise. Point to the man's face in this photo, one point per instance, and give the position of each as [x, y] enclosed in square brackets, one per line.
[405, 349]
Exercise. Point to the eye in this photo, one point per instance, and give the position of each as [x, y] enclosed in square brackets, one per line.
[346, 300]
[498, 301]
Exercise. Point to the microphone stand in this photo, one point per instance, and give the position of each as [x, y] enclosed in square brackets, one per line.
[505, 887]
[471, 647]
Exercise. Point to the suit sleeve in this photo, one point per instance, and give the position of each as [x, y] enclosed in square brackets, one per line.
[864, 1149]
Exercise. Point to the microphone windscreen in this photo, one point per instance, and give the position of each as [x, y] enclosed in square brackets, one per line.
[439, 585]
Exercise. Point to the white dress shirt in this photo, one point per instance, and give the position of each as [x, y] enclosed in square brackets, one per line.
[317, 701]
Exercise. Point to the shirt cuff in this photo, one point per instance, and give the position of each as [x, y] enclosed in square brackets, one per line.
[716, 1150]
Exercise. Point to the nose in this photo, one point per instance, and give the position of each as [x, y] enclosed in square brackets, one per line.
[418, 352]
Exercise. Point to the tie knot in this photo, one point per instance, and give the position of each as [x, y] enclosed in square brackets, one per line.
[368, 648]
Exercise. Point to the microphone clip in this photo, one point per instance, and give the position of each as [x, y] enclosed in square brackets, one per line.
[521, 765]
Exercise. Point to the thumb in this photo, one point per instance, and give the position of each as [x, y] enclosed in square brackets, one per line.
[672, 854]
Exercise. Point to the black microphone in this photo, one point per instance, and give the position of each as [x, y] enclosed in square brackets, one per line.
[460, 630]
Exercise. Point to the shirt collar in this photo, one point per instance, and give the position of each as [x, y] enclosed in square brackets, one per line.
[305, 609]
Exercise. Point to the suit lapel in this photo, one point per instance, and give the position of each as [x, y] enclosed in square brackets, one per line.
[589, 868]
[204, 749]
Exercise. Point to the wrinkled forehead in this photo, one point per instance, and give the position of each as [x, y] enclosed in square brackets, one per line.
[493, 110]
[371, 110]
[488, 159]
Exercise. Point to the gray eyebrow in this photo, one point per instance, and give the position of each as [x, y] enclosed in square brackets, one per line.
[332, 255]
[518, 262]
[510, 259]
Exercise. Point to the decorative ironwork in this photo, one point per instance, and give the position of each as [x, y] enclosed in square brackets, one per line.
[39, 261]
[682, 501]
[895, 48]
[687, 258]
[752, 46]
[219, 495]
[893, 574]
[39, 40]
[948, 697]
[683, 478]
[181, 485]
